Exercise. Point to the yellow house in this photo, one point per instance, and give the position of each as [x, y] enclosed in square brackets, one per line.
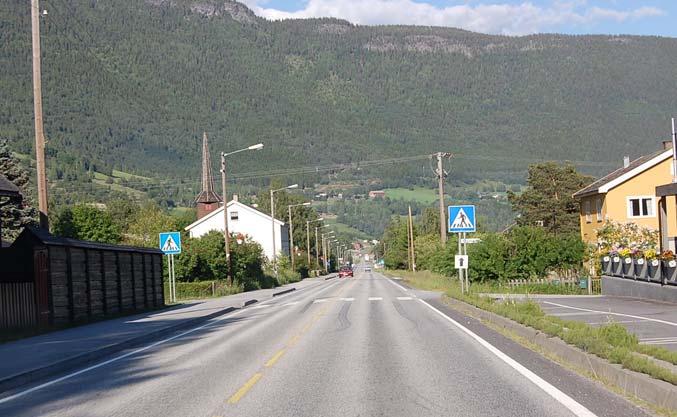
[628, 195]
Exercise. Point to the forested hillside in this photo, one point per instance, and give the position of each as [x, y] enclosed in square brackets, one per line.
[130, 85]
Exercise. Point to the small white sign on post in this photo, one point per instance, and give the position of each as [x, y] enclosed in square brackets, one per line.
[461, 261]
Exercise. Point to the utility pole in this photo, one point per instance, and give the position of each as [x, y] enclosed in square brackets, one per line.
[37, 108]
[226, 237]
[308, 242]
[441, 175]
[317, 249]
[411, 248]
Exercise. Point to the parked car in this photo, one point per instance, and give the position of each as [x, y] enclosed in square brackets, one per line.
[346, 271]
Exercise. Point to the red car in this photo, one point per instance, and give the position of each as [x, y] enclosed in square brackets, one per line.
[345, 272]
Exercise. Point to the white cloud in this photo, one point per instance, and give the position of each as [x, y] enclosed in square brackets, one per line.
[498, 18]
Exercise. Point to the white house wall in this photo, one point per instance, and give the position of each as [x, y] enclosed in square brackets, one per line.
[249, 223]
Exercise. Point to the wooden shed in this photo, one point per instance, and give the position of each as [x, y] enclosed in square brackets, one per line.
[48, 280]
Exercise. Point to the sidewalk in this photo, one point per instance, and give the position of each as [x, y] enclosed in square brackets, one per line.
[26, 360]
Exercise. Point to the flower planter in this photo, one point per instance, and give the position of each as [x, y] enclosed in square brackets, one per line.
[628, 270]
[654, 272]
[640, 268]
[669, 272]
[616, 267]
[607, 265]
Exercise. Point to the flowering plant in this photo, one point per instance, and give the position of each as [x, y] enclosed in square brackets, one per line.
[667, 255]
[625, 252]
[650, 254]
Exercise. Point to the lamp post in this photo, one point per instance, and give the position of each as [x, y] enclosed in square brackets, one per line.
[226, 239]
[324, 248]
[317, 245]
[308, 237]
[272, 220]
[291, 231]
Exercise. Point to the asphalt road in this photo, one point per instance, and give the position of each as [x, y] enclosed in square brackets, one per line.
[361, 346]
[653, 322]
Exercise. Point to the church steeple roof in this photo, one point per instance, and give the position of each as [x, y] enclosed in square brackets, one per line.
[207, 195]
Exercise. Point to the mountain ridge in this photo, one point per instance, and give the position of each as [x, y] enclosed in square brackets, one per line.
[132, 86]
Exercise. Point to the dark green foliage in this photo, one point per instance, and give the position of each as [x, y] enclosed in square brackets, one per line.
[549, 199]
[86, 222]
[204, 259]
[395, 244]
[14, 215]
[133, 84]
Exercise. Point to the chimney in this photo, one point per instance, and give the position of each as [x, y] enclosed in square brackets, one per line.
[235, 198]
[626, 161]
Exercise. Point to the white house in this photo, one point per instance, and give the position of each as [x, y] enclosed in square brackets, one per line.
[248, 221]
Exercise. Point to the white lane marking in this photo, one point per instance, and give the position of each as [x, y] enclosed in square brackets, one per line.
[348, 299]
[595, 323]
[669, 323]
[397, 285]
[143, 349]
[375, 298]
[320, 300]
[661, 342]
[658, 338]
[292, 303]
[579, 313]
[404, 298]
[261, 306]
[576, 408]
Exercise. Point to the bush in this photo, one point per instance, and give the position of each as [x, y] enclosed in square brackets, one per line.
[204, 259]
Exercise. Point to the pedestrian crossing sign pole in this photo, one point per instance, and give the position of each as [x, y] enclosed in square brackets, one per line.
[462, 220]
[170, 245]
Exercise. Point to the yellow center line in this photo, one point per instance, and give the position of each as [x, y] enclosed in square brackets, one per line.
[275, 358]
[245, 388]
[293, 341]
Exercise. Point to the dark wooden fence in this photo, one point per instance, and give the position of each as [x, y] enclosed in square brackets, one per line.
[17, 305]
[59, 281]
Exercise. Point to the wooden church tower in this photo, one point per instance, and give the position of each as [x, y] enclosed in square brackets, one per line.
[207, 201]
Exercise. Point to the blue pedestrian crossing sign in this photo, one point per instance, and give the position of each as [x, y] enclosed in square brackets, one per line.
[462, 219]
[170, 243]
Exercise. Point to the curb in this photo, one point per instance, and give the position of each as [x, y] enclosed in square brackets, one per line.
[284, 292]
[330, 277]
[18, 380]
[656, 392]
[249, 302]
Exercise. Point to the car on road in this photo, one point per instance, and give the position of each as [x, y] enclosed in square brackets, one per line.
[367, 268]
[346, 271]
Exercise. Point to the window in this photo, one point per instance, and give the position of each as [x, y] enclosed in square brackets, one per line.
[588, 212]
[234, 215]
[641, 207]
[598, 204]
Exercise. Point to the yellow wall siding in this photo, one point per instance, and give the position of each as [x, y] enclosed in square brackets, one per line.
[615, 206]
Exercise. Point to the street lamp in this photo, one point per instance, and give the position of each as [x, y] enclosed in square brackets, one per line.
[291, 230]
[308, 237]
[256, 147]
[272, 220]
[324, 247]
[317, 244]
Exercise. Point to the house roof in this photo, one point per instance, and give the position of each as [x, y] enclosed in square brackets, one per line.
[8, 189]
[44, 237]
[232, 203]
[619, 176]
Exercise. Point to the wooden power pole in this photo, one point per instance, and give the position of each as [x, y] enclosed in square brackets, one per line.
[441, 175]
[37, 107]
[410, 225]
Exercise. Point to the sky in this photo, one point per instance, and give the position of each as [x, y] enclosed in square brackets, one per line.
[503, 17]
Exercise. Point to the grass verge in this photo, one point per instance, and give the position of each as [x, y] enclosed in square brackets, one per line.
[611, 342]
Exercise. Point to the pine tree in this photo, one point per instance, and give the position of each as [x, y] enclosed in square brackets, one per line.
[14, 215]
